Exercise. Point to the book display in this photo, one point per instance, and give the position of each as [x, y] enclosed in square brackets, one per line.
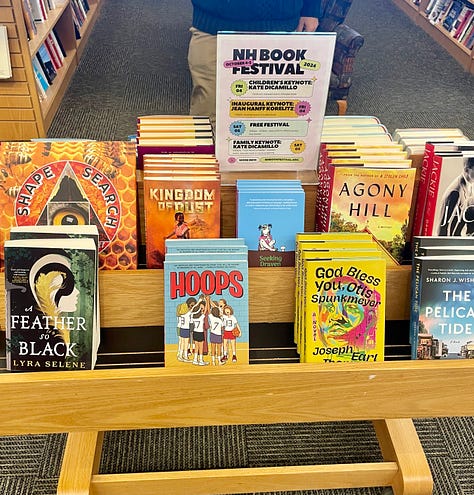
[449, 22]
[54, 35]
[161, 397]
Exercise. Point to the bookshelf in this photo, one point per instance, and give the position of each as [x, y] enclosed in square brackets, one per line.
[23, 114]
[457, 50]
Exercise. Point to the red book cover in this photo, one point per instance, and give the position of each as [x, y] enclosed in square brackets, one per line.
[73, 182]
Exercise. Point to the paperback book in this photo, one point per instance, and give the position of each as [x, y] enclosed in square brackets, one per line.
[344, 309]
[51, 304]
[206, 306]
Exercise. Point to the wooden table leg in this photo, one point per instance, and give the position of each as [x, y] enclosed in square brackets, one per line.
[399, 443]
[81, 460]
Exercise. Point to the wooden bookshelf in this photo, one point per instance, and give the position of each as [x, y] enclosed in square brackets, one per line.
[85, 404]
[23, 115]
[457, 50]
[88, 403]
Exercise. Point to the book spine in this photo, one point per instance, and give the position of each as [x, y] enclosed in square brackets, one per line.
[422, 190]
[432, 195]
[415, 306]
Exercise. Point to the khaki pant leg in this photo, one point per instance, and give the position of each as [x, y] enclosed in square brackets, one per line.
[202, 62]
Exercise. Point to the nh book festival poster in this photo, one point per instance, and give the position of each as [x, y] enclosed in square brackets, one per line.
[271, 99]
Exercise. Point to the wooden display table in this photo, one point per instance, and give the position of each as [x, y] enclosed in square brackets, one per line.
[87, 403]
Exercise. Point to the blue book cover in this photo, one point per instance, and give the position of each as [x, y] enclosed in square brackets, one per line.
[206, 309]
[446, 314]
[268, 218]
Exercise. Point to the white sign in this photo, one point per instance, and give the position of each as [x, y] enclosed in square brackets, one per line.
[271, 99]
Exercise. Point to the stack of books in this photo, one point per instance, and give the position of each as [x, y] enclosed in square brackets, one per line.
[269, 214]
[206, 302]
[366, 183]
[442, 298]
[181, 195]
[173, 134]
[340, 298]
[52, 303]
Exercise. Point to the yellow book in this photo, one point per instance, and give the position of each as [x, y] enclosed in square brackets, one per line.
[333, 249]
[344, 310]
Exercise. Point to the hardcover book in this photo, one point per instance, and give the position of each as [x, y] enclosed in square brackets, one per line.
[444, 322]
[73, 183]
[51, 304]
[158, 134]
[269, 214]
[179, 207]
[374, 200]
[344, 309]
[449, 209]
[206, 308]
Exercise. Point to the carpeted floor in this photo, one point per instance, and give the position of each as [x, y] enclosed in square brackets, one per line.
[135, 64]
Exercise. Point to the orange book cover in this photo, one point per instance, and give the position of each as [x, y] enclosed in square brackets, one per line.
[179, 207]
[73, 182]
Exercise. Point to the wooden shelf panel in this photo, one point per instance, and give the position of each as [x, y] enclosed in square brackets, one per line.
[159, 397]
[141, 293]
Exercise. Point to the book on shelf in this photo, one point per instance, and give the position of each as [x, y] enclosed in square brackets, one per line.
[39, 10]
[462, 23]
[53, 52]
[452, 14]
[374, 200]
[269, 214]
[73, 182]
[46, 63]
[165, 134]
[206, 304]
[58, 43]
[179, 205]
[323, 245]
[449, 196]
[429, 149]
[442, 311]
[438, 10]
[51, 304]
[270, 111]
[31, 28]
[343, 308]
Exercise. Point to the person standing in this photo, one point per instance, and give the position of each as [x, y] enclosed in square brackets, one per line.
[211, 16]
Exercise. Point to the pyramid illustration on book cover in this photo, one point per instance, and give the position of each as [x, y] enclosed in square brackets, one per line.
[73, 183]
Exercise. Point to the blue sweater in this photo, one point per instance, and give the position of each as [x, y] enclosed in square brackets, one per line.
[211, 16]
